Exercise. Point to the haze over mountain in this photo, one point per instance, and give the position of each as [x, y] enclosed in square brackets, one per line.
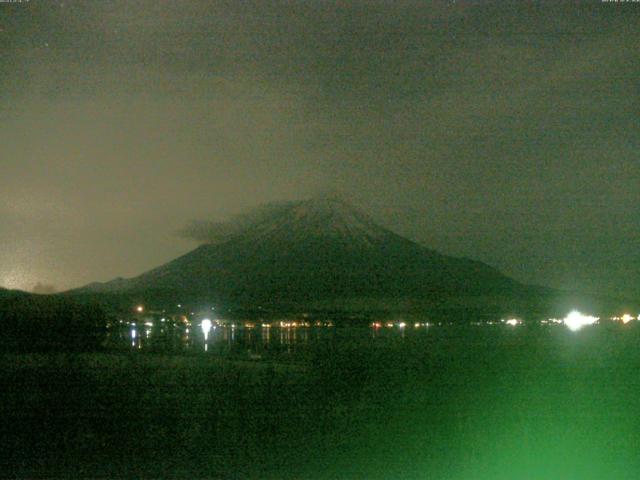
[318, 250]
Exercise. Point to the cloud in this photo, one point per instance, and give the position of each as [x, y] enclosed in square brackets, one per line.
[204, 231]
[478, 122]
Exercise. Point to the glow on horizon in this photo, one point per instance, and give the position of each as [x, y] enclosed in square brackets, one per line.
[576, 320]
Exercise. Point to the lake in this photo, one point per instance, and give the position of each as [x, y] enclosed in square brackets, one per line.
[282, 343]
[449, 402]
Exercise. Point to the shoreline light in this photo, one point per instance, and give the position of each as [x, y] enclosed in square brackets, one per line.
[206, 328]
[576, 320]
[626, 318]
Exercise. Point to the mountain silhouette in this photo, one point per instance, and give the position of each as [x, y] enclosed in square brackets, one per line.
[315, 250]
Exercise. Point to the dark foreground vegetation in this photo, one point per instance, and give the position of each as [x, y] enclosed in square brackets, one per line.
[456, 403]
[30, 323]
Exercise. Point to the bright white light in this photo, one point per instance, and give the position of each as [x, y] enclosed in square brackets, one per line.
[575, 320]
[140, 308]
[626, 318]
[402, 324]
[133, 333]
[206, 328]
[513, 322]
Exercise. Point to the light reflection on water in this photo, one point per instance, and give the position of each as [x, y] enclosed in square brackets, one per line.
[263, 341]
[274, 341]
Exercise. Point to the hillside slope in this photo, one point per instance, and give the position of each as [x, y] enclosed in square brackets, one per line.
[314, 250]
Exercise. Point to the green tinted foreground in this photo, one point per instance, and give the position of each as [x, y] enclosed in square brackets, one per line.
[461, 404]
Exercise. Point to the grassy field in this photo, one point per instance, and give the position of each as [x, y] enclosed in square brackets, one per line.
[455, 403]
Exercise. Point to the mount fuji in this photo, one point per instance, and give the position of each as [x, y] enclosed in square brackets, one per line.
[312, 252]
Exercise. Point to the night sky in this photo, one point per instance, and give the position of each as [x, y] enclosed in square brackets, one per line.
[504, 132]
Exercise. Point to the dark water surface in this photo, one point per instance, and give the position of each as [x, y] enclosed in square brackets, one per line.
[441, 402]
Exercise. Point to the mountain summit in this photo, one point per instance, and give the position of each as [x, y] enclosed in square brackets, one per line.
[318, 218]
[313, 251]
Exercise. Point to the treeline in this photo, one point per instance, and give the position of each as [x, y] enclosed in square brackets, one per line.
[49, 322]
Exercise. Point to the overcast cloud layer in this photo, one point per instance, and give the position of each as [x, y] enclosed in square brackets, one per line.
[500, 131]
